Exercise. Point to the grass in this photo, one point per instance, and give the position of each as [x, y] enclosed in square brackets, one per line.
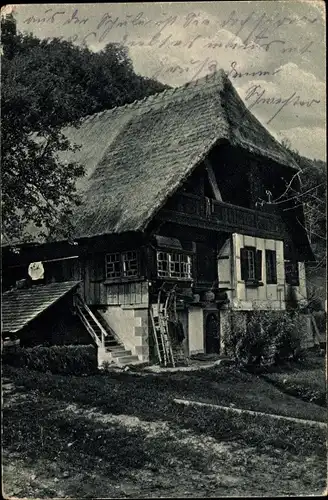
[305, 380]
[142, 440]
[150, 397]
[150, 394]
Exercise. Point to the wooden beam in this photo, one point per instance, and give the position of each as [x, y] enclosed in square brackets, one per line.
[217, 225]
[212, 181]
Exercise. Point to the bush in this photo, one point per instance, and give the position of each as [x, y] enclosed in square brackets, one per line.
[72, 360]
[264, 337]
[321, 320]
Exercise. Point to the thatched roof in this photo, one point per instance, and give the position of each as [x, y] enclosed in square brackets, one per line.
[137, 155]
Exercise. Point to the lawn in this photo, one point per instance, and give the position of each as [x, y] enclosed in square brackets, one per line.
[305, 380]
[120, 435]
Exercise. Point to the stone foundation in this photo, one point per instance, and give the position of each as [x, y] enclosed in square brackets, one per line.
[131, 326]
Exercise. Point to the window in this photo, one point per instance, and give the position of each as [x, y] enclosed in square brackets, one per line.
[173, 265]
[130, 264]
[122, 265]
[291, 273]
[113, 265]
[271, 267]
[251, 265]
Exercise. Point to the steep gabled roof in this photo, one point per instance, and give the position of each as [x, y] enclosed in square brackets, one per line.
[137, 155]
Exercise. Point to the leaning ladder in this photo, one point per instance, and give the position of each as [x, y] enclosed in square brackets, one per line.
[178, 351]
[159, 320]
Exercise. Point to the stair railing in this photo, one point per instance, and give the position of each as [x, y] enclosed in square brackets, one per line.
[88, 326]
[83, 311]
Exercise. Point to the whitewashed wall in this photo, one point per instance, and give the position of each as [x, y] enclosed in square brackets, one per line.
[195, 330]
[268, 296]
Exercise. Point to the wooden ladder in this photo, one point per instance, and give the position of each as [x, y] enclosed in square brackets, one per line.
[169, 350]
[161, 333]
[177, 347]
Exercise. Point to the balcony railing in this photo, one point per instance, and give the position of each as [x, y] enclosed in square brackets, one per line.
[192, 209]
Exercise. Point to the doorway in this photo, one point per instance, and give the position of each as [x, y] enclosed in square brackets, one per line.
[212, 334]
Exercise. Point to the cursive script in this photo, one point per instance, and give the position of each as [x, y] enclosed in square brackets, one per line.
[249, 44]
[248, 32]
[257, 95]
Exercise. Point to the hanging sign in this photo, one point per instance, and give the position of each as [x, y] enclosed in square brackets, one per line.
[36, 271]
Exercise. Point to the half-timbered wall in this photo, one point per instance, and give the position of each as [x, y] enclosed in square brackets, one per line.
[264, 296]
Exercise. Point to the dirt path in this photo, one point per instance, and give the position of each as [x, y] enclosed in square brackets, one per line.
[229, 469]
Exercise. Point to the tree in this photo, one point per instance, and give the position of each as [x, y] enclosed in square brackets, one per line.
[47, 84]
[310, 191]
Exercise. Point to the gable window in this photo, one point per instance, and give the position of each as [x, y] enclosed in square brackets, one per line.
[173, 265]
[251, 265]
[271, 267]
[291, 273]
[122, 265]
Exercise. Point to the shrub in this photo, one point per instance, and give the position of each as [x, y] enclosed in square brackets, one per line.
[286, 340]
[72, 360]
[264, 337]
[321, 320]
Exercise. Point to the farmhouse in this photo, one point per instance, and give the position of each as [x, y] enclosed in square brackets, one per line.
[184, 217]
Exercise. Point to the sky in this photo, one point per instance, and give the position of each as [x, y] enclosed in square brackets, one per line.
[273, 51]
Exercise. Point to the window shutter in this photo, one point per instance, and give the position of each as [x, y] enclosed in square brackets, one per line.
[243, 264]
[258, 265]
[274, 256]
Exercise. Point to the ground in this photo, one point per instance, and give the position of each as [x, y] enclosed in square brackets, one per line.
[121, 435]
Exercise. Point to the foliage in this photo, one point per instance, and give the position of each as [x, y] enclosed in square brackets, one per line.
[310, 190]
[264, 337]
[320, 318]
[47, 84]
[77, 360]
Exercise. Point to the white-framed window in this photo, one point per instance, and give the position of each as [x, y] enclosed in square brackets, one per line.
[174, 265]
[122, 265]
[250, 259]
[251, 264]
[130, 263]
[271, 267]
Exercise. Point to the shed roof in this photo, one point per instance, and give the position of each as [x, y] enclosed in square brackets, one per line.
[137, 155]
[21, 306]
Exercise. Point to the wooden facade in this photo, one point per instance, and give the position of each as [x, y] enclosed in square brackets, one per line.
[185, 245]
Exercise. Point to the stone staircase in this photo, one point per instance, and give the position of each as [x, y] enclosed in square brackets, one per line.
[115, 349]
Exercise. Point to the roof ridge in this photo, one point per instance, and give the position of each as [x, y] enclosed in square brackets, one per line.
[208, 80]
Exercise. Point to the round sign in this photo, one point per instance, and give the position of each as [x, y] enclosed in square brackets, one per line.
[36, 270]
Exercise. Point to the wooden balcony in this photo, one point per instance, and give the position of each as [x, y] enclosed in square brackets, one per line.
[192, 210]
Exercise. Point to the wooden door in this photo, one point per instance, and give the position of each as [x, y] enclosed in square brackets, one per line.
[212, 334]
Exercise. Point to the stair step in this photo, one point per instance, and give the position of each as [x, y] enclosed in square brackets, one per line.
[111, 342]
[116, 347]
[121, 353]
[126, 360]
